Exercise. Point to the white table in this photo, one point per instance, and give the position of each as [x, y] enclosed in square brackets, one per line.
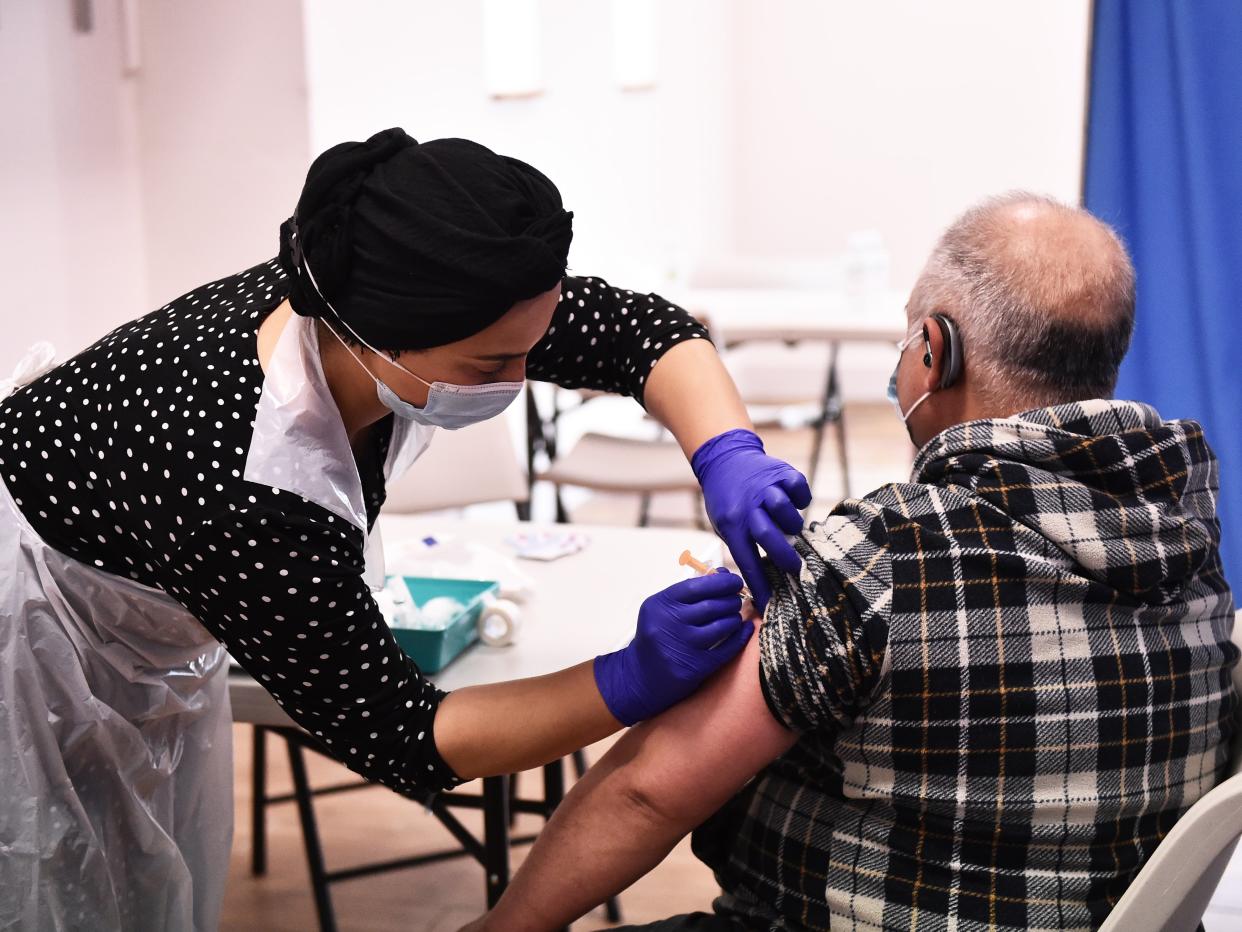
[584, 604]
[738, 315]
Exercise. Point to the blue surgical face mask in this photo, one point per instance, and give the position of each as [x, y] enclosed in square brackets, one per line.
[449, 406]
[892, 385]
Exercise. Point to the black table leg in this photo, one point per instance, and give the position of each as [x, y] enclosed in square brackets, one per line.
[258, 801]
[310, 833]
[496, 837]
[553, 785]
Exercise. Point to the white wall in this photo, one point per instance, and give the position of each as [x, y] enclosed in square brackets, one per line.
[646, 173]
[71, 255]
[223, 135]
[120, 192]
[896, 114]
[775, 128]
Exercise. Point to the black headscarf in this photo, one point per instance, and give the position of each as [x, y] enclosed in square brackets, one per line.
[421, 245]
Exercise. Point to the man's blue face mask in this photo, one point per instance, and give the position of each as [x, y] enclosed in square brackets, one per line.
[892, 385]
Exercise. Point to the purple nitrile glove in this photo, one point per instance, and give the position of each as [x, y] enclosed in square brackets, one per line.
[685, 634]
[752, 499]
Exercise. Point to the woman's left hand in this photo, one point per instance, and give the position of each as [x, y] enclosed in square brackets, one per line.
[753, 500]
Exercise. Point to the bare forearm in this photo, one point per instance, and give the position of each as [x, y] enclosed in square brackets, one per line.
[655, 784]
[509, 727]
[690, 392]
[581, 858]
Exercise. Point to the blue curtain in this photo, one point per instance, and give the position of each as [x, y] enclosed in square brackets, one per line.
[1164, 166]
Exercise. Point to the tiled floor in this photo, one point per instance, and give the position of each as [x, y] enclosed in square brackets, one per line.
[374, 824]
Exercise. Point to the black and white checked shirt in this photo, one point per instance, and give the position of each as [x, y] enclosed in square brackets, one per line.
[1011, 676]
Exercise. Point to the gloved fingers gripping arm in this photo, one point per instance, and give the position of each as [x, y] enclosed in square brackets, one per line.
[764, 530]
[717, 632]
[752, 500]
[779, 505]
[671, 653]
[690, 392]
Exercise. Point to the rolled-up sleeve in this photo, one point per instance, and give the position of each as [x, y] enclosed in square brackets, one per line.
[608, 339]
[825, 631]
[285, 594]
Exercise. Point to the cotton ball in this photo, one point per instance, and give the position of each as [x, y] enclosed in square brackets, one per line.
[438, 612]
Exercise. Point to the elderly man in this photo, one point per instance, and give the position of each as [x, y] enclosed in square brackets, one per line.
[992, 689]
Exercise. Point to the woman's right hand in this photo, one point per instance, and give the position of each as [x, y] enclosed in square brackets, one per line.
[685, 634]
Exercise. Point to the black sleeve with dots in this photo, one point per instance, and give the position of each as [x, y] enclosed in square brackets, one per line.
[284, 593]
[607, 338]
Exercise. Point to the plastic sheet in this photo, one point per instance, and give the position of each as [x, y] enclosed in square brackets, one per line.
[300, 445]
[117, 749]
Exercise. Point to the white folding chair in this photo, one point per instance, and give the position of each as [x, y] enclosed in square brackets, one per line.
[463, 467]
[1172, 891]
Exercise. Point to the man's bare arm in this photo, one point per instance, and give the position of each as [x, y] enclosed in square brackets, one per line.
[658, 782]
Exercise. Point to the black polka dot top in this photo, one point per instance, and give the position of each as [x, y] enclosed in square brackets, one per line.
[130, 458]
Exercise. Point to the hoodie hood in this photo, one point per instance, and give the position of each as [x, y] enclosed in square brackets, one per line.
[1128, 496]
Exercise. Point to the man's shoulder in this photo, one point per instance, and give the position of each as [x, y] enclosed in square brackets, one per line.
[897, 500]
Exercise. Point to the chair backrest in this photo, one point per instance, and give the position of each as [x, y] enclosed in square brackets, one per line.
[1172, 891]
[768, 373]
[462, 467]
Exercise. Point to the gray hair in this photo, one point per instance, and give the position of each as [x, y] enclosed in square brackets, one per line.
[1043, 295]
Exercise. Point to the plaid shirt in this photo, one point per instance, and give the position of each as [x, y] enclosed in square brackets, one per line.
[1011, 677]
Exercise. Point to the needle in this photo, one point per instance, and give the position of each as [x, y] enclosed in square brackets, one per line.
[687, 559]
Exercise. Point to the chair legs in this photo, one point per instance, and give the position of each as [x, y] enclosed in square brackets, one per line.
[498, 804]
[644, 509]
[310, 835]
[258, 802]
[832, 411]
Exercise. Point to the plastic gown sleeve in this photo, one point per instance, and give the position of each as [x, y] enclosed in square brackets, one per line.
[285, 594]
[608, 339]
[825, 631]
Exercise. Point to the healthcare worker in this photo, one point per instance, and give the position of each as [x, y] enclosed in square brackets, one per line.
[209, 475]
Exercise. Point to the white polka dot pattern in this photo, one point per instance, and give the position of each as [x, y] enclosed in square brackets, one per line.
[131, 456]
[608, 339]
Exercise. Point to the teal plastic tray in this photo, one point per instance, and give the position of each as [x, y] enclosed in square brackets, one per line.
[433, 650]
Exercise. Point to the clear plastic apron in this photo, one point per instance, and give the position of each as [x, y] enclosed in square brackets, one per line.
[300, 445]
[115, 747]
[116, 762]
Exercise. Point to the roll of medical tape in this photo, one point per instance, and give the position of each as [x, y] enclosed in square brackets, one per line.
[499, 623]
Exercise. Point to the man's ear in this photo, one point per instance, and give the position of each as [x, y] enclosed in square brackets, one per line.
[932, 356]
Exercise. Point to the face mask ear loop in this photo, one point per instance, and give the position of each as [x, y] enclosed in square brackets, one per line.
[906, 417]
[345, 324]
[349, 350]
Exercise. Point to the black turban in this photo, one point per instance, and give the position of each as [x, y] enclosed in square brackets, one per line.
[421, 245]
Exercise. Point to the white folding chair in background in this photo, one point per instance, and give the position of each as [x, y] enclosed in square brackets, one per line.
[630, 465]
[471, 466]
[1172, 891]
